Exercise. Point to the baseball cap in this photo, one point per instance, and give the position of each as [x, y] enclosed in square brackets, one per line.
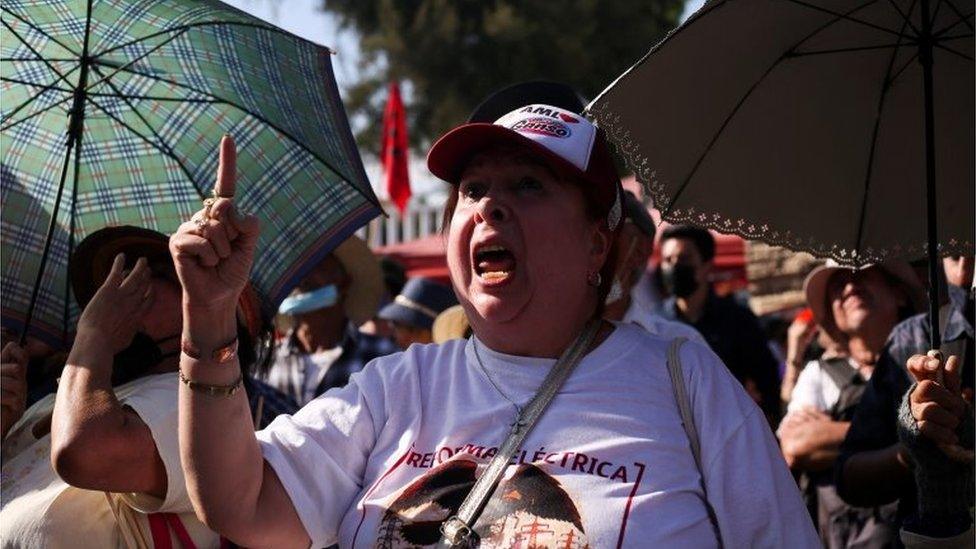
[568, 142]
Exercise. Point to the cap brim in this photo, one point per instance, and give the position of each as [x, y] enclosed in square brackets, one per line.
[452, 152]
[403, 315]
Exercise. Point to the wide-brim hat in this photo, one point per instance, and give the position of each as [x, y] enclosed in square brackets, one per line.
[452, 323]
[566, 141]
[93, 258]
[365, 290]
[815, 285]
[419, 303]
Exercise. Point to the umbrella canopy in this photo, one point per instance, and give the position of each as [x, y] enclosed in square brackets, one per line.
[801, 124]
[112, 114]
[842, 129]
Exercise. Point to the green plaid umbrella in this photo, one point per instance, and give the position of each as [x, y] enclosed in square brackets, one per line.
[112, 113]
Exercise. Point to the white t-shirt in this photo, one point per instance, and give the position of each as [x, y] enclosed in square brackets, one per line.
[382, 461]
[660, 326]
[38, 509]
[815, 388]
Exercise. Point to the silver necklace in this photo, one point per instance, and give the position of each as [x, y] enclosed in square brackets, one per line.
[518, 422]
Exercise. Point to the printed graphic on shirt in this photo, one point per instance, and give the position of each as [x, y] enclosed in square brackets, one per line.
[530, 508]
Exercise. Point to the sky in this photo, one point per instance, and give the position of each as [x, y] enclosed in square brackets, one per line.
[305, 19]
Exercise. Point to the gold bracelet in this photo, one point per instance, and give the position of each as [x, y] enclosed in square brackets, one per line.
[213, 390]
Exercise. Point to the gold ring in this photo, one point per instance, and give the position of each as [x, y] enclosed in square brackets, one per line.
[216, 196]
[207, 205]
[200, 222]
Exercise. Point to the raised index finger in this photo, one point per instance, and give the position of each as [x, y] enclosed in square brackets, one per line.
[227, 168]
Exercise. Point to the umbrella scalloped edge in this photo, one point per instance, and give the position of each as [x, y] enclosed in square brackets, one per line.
[601, 114]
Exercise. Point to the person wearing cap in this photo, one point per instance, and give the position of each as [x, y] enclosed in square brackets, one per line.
[635, 242]
[96, 464]
[387, 459]
[858, 309]
[904, 440]
[413, 311]
[324, 347]
[731, 329]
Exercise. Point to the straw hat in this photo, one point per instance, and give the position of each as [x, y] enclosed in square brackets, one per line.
[92, 260]
[451, 324]
[365, 290]
[815, 285]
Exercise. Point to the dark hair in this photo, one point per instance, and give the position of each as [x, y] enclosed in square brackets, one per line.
[701, 238]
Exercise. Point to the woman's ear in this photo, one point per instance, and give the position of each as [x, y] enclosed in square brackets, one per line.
[601, 241]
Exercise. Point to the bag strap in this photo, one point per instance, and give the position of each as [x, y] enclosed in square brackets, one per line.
[456, 531]
[688, 422]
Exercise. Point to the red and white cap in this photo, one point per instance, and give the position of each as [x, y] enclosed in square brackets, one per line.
[567, 141]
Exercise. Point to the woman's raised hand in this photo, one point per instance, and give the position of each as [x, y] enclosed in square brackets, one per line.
[213, 251]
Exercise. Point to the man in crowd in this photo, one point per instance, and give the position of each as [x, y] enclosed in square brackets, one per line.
[874, 466]
[858, 308]
[413, 311]
[324, 346]
[635, 244]
[98, 463]
[731, 330]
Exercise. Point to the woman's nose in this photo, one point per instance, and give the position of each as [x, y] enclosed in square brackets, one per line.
[493, 210]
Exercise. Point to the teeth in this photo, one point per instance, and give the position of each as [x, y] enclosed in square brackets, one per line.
[493, 248]
[494, 275]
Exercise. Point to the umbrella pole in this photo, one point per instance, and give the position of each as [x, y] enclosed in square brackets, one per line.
[925, 58]
[75, 124]
[47, 242]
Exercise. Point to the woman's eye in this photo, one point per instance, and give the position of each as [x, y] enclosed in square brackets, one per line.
[529, 184]
[472, 191]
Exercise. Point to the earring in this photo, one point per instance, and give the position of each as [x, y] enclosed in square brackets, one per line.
[594, 279]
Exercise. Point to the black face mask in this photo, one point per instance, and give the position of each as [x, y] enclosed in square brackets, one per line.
[142, 355]
[679, 280]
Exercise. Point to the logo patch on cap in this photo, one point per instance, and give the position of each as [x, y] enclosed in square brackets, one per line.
[543, 126]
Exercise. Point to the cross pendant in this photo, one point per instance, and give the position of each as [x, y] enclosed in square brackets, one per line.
[518, 424]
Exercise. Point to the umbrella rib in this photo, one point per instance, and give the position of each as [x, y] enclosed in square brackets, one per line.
[905, 16]
[37, 59]
[38, 29]
[44, 87]
[151, 143]
[36, 113]
[948, 28]
[907, 64]
[950, 50]
[962, 18]
[886, 85]
[701, 158]
[846, 50]
[261, 118]
[161, 145]
[184, 28]
[845, 17]
[35, 52]
[131, 62]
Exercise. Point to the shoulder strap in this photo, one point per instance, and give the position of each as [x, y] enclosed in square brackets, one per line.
[688, 422]
[839, 371]
[456, 531]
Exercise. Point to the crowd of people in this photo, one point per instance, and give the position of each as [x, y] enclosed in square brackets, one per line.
[556, 394]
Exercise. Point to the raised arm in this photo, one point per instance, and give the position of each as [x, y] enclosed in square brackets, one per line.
[232, 489]
[96, 443]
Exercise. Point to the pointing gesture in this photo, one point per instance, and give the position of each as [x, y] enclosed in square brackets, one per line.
[213, 251]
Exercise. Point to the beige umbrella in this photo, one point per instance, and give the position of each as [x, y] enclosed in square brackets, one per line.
[844, 129]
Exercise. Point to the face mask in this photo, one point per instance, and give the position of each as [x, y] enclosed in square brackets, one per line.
[679, 280]
[142, 355]
[297, 304]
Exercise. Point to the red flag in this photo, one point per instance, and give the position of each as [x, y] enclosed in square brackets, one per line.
[393, 150]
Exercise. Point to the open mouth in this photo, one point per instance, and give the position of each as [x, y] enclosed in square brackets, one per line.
[494, 264]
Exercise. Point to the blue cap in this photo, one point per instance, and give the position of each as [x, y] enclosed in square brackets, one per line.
[419, 303]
